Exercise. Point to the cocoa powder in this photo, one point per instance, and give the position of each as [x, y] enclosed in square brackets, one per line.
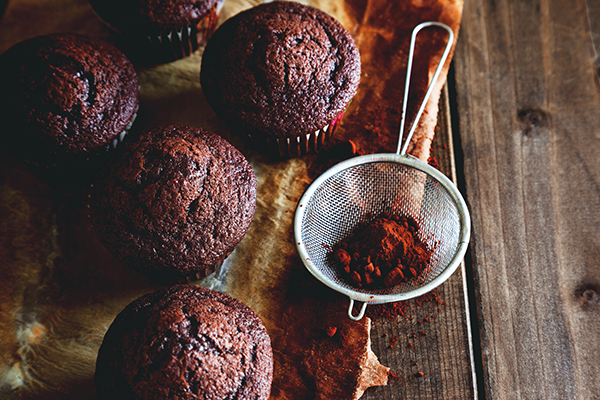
[385, 252]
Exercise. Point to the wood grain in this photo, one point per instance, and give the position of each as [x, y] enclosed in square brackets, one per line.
[528, 101]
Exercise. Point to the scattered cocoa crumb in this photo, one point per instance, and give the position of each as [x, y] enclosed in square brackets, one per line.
[433, 162]
[394, 375]
[392, 310]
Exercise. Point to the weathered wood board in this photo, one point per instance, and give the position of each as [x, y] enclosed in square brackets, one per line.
[528, 100]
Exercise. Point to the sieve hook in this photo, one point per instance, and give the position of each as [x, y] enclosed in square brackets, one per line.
[401, 150]
[361, 313]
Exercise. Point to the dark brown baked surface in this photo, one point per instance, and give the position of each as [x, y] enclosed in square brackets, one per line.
[63, 96]
[151, 16]
[176, 201]
[185, 342]
[280, 69]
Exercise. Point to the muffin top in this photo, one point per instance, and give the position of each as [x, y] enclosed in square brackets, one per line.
[151, 16]
[280, 69]
[185, 342]
[65, 95]
[176, 201]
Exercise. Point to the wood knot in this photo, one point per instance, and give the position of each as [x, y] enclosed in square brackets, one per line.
[533, 120]
[590, 297]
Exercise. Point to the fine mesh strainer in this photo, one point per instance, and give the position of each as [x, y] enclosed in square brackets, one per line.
[353, 192]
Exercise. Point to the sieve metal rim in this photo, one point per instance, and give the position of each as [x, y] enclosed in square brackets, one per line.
[365, 297]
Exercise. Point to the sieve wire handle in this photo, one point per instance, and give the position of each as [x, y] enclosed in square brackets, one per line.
[361, 313]
[402, 150]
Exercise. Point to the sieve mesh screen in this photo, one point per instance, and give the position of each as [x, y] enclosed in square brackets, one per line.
[360, 193]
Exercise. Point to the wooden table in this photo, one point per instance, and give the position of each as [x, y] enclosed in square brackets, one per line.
[520, 132]
[528, 116]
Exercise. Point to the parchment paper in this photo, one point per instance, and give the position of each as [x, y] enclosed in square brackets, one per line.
[61, 289]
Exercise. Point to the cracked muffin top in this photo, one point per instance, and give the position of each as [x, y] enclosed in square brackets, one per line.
[175, 201]
[280, 69]
[185, 342]
[65, 96]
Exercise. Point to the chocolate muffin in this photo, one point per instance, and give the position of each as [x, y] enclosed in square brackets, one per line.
[65, 98]
[159, 31]
[176, 201]
[185, 342]
[282, 73]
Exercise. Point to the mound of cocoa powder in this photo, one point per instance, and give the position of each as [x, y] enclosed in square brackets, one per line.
[383, 253]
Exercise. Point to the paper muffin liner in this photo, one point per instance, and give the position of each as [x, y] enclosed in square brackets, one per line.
[214, 269]
[207, 25]
[169, 44]
[298, 146]
[81, 160]
[113, 144]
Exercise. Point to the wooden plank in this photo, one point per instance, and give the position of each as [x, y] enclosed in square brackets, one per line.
[528, 105]
[440, 347]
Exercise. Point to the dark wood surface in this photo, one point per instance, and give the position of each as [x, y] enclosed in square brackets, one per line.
[528, 105]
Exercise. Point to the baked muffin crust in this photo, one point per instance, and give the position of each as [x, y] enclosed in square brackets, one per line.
[185, 342]
[280, 69]
[176, 201]
[65, 95]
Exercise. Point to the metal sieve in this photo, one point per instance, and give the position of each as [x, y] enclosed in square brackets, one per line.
[353, 192]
